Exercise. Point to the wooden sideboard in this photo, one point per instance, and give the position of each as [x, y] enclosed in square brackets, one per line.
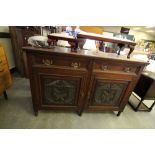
[82, 81]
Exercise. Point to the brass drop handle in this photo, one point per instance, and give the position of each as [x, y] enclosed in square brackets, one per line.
[75, 65]
[127, 69]
[104, 68]
[47, 62]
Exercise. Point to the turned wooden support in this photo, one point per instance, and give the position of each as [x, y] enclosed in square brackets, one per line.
[81, 43]
[120, 48]
[129, 46]
[131, 50]
[51, 42]
[74, 45]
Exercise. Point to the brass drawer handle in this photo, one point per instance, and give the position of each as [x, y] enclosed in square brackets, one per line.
[127, 69]
[75, 65]
[104, 67]
[47, 62]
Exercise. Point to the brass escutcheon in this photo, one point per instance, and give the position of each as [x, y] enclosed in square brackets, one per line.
[47, 62]
[104, 67]
[75, 65]
[127, 69]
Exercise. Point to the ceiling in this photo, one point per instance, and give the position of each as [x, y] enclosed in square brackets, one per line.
[147, 29]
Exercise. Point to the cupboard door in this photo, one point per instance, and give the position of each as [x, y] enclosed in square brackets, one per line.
[58, 91]
[107, 92]
[59, 88]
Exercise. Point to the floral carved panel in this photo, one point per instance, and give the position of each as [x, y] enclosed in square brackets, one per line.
[108, 92]
[60, 91]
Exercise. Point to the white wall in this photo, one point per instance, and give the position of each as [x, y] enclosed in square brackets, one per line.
[8, 47]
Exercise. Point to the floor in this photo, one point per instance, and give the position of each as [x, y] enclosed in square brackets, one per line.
[17, 112]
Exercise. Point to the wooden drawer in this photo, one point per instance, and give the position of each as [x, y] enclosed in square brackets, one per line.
[48, 60]
[115, 67]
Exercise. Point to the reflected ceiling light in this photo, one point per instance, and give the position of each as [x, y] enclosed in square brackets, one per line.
[136, 28]
[149, 27]
[150, 31]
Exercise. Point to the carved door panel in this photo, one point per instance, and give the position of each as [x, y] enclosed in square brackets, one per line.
[63, 89]
[59, 91]
[106, 92]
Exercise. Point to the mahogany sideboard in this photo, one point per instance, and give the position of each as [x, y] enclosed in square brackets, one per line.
[81, 81]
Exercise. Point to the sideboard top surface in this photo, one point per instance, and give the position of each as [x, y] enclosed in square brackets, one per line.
[84, 53]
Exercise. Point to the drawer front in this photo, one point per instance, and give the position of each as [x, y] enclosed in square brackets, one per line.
[115, 67]
[48, 60]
